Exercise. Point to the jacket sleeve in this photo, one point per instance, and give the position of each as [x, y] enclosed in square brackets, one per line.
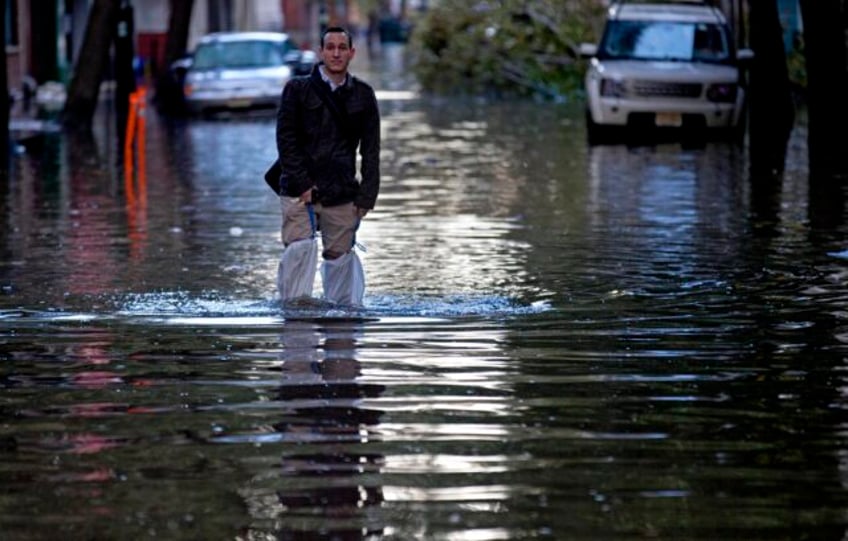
[292, 156]
[369, 149]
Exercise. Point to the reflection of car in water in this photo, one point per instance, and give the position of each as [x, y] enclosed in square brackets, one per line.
[666, 199]
[664, 66]
[240, 70]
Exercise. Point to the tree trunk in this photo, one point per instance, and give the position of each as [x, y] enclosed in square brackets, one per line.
[4, 100]
[43, 40]
[168, 83]
[771, 110]
[178, 25]
[827, 88]
[91, 65]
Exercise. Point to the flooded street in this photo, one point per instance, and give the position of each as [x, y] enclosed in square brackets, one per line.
[558, 342]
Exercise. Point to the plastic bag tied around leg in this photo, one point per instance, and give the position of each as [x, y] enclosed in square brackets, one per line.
[296, 270]
[344, 280]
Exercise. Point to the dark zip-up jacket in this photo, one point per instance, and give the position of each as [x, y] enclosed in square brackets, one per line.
[317, 147]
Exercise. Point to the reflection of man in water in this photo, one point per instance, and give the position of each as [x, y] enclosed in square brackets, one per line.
[319, 380]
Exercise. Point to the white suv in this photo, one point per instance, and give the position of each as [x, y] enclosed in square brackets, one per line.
[667, 65]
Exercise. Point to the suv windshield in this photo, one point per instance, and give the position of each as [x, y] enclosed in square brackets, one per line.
[665, 40]
[239, 54]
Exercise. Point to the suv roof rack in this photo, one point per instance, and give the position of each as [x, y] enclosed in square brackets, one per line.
[713, 4]
[708, 3]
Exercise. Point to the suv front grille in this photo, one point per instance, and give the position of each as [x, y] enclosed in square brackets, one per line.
[653, 89]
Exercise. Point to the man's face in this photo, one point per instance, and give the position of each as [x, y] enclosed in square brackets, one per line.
[336, 53]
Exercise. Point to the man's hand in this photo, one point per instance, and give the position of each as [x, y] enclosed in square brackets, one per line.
[306, 197]
[360, 212]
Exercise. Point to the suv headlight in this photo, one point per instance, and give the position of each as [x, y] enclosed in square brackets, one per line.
[611, 88]
[193, 82]
[722, 92]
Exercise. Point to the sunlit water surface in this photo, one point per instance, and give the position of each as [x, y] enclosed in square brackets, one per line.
[557, 342]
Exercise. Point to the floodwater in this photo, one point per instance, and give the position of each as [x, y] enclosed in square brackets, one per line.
[559, 342]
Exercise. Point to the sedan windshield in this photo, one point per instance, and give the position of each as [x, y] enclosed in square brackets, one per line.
[665, 40]
[239, 54]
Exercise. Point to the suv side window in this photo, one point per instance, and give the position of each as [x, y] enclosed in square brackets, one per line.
[711, 44]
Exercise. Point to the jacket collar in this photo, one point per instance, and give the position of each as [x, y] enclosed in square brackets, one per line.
[319, 76]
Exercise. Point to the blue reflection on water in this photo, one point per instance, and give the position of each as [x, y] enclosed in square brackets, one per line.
[180, 307]
[171, 304]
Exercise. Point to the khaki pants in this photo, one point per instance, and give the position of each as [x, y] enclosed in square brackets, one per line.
[337, 225]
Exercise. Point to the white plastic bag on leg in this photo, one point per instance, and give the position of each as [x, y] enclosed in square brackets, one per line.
[344, 279]
[296, 271]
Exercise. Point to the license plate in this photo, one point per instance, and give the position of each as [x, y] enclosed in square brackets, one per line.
[238, 103]
[674, 120]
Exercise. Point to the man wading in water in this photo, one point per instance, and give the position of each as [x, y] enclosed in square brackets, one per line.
[323, 118]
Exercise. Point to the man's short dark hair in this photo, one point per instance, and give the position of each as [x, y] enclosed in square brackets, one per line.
[334, 30]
